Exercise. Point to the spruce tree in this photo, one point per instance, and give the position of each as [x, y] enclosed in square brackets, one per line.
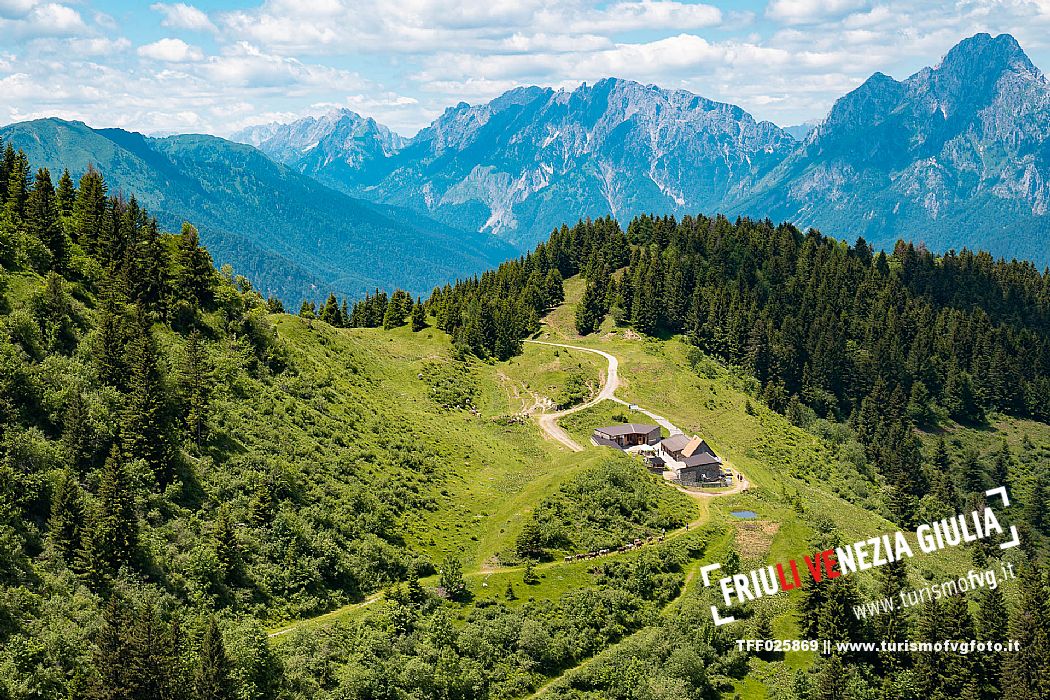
[195, 275]
[65, 194]
[156, 656]
[110, 337]
[53, 307]
[89, 209]
[1026, 672]
[1035, 505]
[213, 678]
[419, 317]
[991, 627]
[145, 431]
[195, 384]
[149, 267]
[78, 434]
[41, 213]
[591, 310]
[227, 550]
[17, 188]
[114, 674]
[114, 537]
[67, 516]
[330, 312]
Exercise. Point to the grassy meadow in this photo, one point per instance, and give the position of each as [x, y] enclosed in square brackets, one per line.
[496, 467]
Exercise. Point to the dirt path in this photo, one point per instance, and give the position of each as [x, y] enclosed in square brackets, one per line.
[549, 421]
[549, 424]
[334, 614]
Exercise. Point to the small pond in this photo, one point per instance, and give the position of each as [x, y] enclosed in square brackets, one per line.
[745, 514]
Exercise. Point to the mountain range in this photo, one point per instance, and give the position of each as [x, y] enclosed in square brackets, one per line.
[292, 236]
[955, 155]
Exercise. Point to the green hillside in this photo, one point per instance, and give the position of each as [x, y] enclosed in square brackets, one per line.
[205, 497]
[290, 235]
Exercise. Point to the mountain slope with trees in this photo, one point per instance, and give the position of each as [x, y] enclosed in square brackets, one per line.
[289, 234]
[182, 464]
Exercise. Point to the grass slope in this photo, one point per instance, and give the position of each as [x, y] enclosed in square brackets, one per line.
[495, 469]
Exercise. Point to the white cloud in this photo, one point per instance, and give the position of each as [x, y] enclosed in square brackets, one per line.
[404, 62]
[182, 16]
[29, 20]
[650, 14]
[15, 9]
[246, 65]
[171, 51]
[83, 46]
[811, 11]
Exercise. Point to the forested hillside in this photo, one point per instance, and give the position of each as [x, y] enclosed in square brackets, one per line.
[204, 497]
[290, 235]
[897, 362]
[181, 467]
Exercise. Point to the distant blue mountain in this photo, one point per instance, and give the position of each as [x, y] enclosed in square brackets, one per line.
[536, 158]
[956, 155]
[287, 233]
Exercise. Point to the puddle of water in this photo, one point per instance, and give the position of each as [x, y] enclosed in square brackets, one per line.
[745, 514]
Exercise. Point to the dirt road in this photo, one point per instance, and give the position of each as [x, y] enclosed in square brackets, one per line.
[549, 421]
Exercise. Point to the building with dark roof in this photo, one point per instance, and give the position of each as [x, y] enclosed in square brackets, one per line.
[692, 459]
[624, 435]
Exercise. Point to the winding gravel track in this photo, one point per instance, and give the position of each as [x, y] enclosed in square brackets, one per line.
[549, 421]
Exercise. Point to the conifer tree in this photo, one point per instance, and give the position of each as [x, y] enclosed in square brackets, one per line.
[146, 418]
[213, 677]
[1035, 506]
[17, 193]
[591, 310]
[41, 213]
[137, 655]
[195, 275]
[53, 307]
[114, 679]
[275, 306]
[991, 626]
[1001, 465]
[1026, 672]
[65, 194]
[893, 626]
[195, 383]
[109, 345]
[78, 434]
[330, 312]
[89, 209]
[397, 309]
[67, 516]
[149, 268]
[831, 680]
[227, 551]
[114, 537]
[419, 317]
[156, 656]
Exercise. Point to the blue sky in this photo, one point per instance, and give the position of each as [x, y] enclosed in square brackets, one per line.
[215, 67]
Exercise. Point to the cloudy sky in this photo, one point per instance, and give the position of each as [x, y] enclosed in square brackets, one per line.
[217, 66]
